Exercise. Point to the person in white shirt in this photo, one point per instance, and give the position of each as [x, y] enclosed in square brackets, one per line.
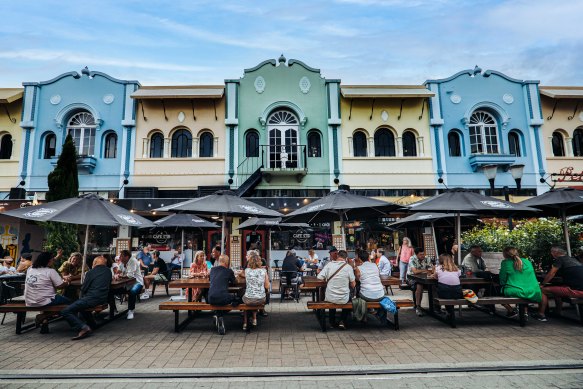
[177, 260]
[339, 277]
[7, 268]
[385, 266]
[130, 268]
[371, 288]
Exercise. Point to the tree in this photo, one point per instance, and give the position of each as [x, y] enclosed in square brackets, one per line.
[63, 183]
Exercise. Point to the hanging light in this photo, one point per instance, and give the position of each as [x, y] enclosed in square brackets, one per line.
[517, 171]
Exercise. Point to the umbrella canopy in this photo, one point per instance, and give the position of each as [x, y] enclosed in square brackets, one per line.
[341, 205]
[184, 220]
[256, 223]
[559, 202]
[426, 217]
[222, 202]
[88, 209]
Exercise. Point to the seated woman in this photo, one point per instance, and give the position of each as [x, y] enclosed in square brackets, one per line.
[448, 280]
[312, 260]
[42, 282]
[7, 267]
[198, 268]
[72, 267]
[159, 273]
[257, 282]
[371, 288]
[518, 279]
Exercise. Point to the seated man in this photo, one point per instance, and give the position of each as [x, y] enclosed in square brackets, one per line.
[473, 261]
[145, 259]
[24, 263]
[220, 278]
[568, 268]
[290, 269]
[94, 291]
[159, 273]
[7, 267]
[385, 266]
[418, 265]
[340, 278]
[177, 260]
[333, 256]
[130, 268]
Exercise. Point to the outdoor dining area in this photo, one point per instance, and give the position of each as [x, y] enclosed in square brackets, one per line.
[482, 270]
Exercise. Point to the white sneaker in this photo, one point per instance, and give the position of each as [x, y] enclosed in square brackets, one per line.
[130, 315]
[145, 295]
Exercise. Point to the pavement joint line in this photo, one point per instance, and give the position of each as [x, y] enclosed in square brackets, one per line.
[413, 369]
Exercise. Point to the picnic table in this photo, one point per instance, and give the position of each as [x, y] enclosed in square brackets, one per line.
[114, 286]
[202, 283]
[313, 282]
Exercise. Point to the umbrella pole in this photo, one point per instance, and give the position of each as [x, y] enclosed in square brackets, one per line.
[342, 230]
[84, 264]
[566, 230]
[458, 220]
[269, 248]
[434, 239]
[223, 235]
[181, 297]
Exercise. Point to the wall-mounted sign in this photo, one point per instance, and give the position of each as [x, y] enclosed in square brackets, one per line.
[567, 174]
[301, 235]
[161, 237]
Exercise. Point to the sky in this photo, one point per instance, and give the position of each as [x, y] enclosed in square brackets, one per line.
[187, 42]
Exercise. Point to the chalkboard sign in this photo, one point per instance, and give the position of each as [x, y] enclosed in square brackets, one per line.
[429, 245]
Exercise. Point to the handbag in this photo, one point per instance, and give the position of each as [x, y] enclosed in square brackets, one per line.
[388, 305]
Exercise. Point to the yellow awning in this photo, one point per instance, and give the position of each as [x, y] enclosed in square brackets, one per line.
[378, 91]
[180, 92]
[8, 95]
[562, 92]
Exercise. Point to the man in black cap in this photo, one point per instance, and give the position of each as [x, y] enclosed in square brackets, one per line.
[333, 256]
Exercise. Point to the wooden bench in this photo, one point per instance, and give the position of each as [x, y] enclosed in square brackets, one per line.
[321, 307]
[312, 289]
[190, 307]
[577, 302]
[487, 305]
[20, 309]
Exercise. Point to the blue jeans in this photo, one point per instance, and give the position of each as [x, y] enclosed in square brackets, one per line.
[133, 293]
[403, 271]
[59, 300]
[71, 313]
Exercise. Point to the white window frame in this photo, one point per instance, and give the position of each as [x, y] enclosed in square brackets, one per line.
[483, 133]
[82, 128]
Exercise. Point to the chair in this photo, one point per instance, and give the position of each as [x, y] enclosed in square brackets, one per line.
[155, 282]
[289, 280]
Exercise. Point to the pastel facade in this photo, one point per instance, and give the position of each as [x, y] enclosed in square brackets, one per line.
[180, 143]
[479, 119]
[97, 110]
[282, 124]
[10, 137]
[562, 109]
[385, 139]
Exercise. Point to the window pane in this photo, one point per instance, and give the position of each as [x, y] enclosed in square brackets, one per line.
[558, 145]
[157, 146]
[110, 146]
[314, 145]
[514, 144]
[182, 144]
[409, 145]
[206, 145]
[578, 143]
[50, 146]
[384, 143]
[6, 147]
[359, 144]
[252, 144]
[453, 140]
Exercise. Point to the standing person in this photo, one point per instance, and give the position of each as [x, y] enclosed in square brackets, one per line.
[221, 277]
[418, 264]
[405, 253]
[571, 271]
[24, 263]
[177, 260]
[215, 255]
[339, 278]
[518, 279]
[371, 288]
[94, 292]
[145, 259]
[130, 268]
[200, 269]
[257, 282]
[42, 282]
[385, 266]
[160, 271]
[448, 281]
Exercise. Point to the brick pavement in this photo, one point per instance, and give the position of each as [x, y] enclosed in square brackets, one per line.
[289, 337]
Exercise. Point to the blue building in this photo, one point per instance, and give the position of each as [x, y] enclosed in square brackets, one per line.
[487, 125]
[97, 110]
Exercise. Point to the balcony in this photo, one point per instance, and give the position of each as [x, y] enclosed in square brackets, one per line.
[479, 160]
[284, 161]
[85, 163]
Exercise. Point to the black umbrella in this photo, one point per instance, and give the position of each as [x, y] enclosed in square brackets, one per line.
[559, 202]
[256, 223]
[342, 205]
[462, 200]
[88, 209]
[224, 203]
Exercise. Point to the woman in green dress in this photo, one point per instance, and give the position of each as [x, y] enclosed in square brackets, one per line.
[517, 279]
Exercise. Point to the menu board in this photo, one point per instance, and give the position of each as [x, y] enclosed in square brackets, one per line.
[122, 244]
[338, 242]
[429, 245]
[235, 251]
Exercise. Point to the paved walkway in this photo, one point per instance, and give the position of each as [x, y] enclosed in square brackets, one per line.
[289, 337]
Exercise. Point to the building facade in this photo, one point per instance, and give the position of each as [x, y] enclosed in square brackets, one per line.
[486, 122]
[98, 112]
[563, 134]
[10, 138]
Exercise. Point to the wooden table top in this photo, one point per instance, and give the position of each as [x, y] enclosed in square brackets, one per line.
[114, 283]
[201, 283]
[423, 279]
[314, 282]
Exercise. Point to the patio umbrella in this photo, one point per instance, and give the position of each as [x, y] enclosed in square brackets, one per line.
[223, 203]
[559, 202]
[424, 217]
[255, 223]
[343, 205]
[462, 200]
[88, 209]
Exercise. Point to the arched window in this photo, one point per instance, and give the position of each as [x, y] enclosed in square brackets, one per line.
[81, 127]
[314, 144]
[384, 143]
[251, 144]
[514, 143]
[206, 145]
[453, 140]
[157, 145]
[578, 143]
[50, 146]
[558, 144]
[409, 144]
[5, 146]
[110, 145]
[359, 144]
[483, 133]
[181, 144]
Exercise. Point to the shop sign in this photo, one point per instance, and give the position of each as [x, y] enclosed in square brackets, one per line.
[161, 237]
[301, 235]
[566, 175]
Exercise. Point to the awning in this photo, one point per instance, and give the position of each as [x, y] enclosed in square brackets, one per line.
[374, 91]
[556, 92]
[180, 92]
[8, 95]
